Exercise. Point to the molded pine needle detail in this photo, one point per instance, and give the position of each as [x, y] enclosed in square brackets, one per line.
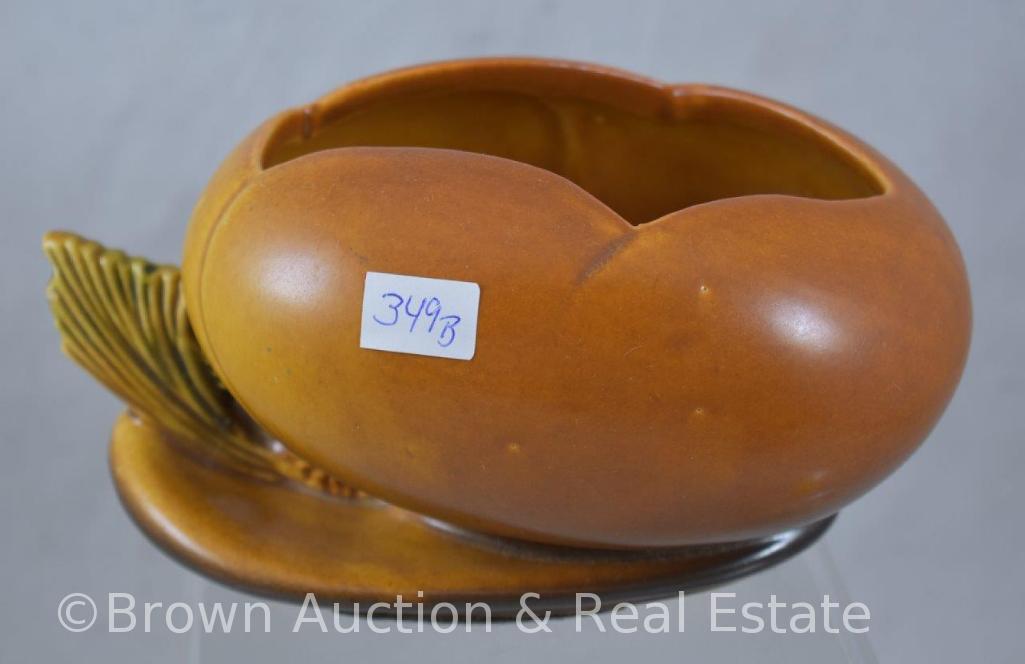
[123, 319]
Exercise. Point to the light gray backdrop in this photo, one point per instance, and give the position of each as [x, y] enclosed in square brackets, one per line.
[113, 115]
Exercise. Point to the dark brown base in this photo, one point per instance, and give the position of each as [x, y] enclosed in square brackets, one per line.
[285, 540]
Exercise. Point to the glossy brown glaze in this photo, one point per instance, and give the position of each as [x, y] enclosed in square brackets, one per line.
[704, 315]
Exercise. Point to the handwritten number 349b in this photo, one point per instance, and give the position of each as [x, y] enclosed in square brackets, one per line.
[429, 308]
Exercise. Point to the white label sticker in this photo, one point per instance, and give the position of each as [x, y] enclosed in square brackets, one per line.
[418, 315]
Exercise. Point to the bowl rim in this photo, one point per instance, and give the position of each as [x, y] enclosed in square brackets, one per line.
[574, 79]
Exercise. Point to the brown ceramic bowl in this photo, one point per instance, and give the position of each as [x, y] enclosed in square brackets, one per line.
[704, 316]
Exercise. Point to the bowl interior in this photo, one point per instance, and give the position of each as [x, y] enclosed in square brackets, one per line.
[643, 160]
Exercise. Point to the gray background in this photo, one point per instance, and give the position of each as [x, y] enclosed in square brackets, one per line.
[114, 115]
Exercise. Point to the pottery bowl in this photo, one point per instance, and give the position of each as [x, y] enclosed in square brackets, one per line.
[703, 315]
